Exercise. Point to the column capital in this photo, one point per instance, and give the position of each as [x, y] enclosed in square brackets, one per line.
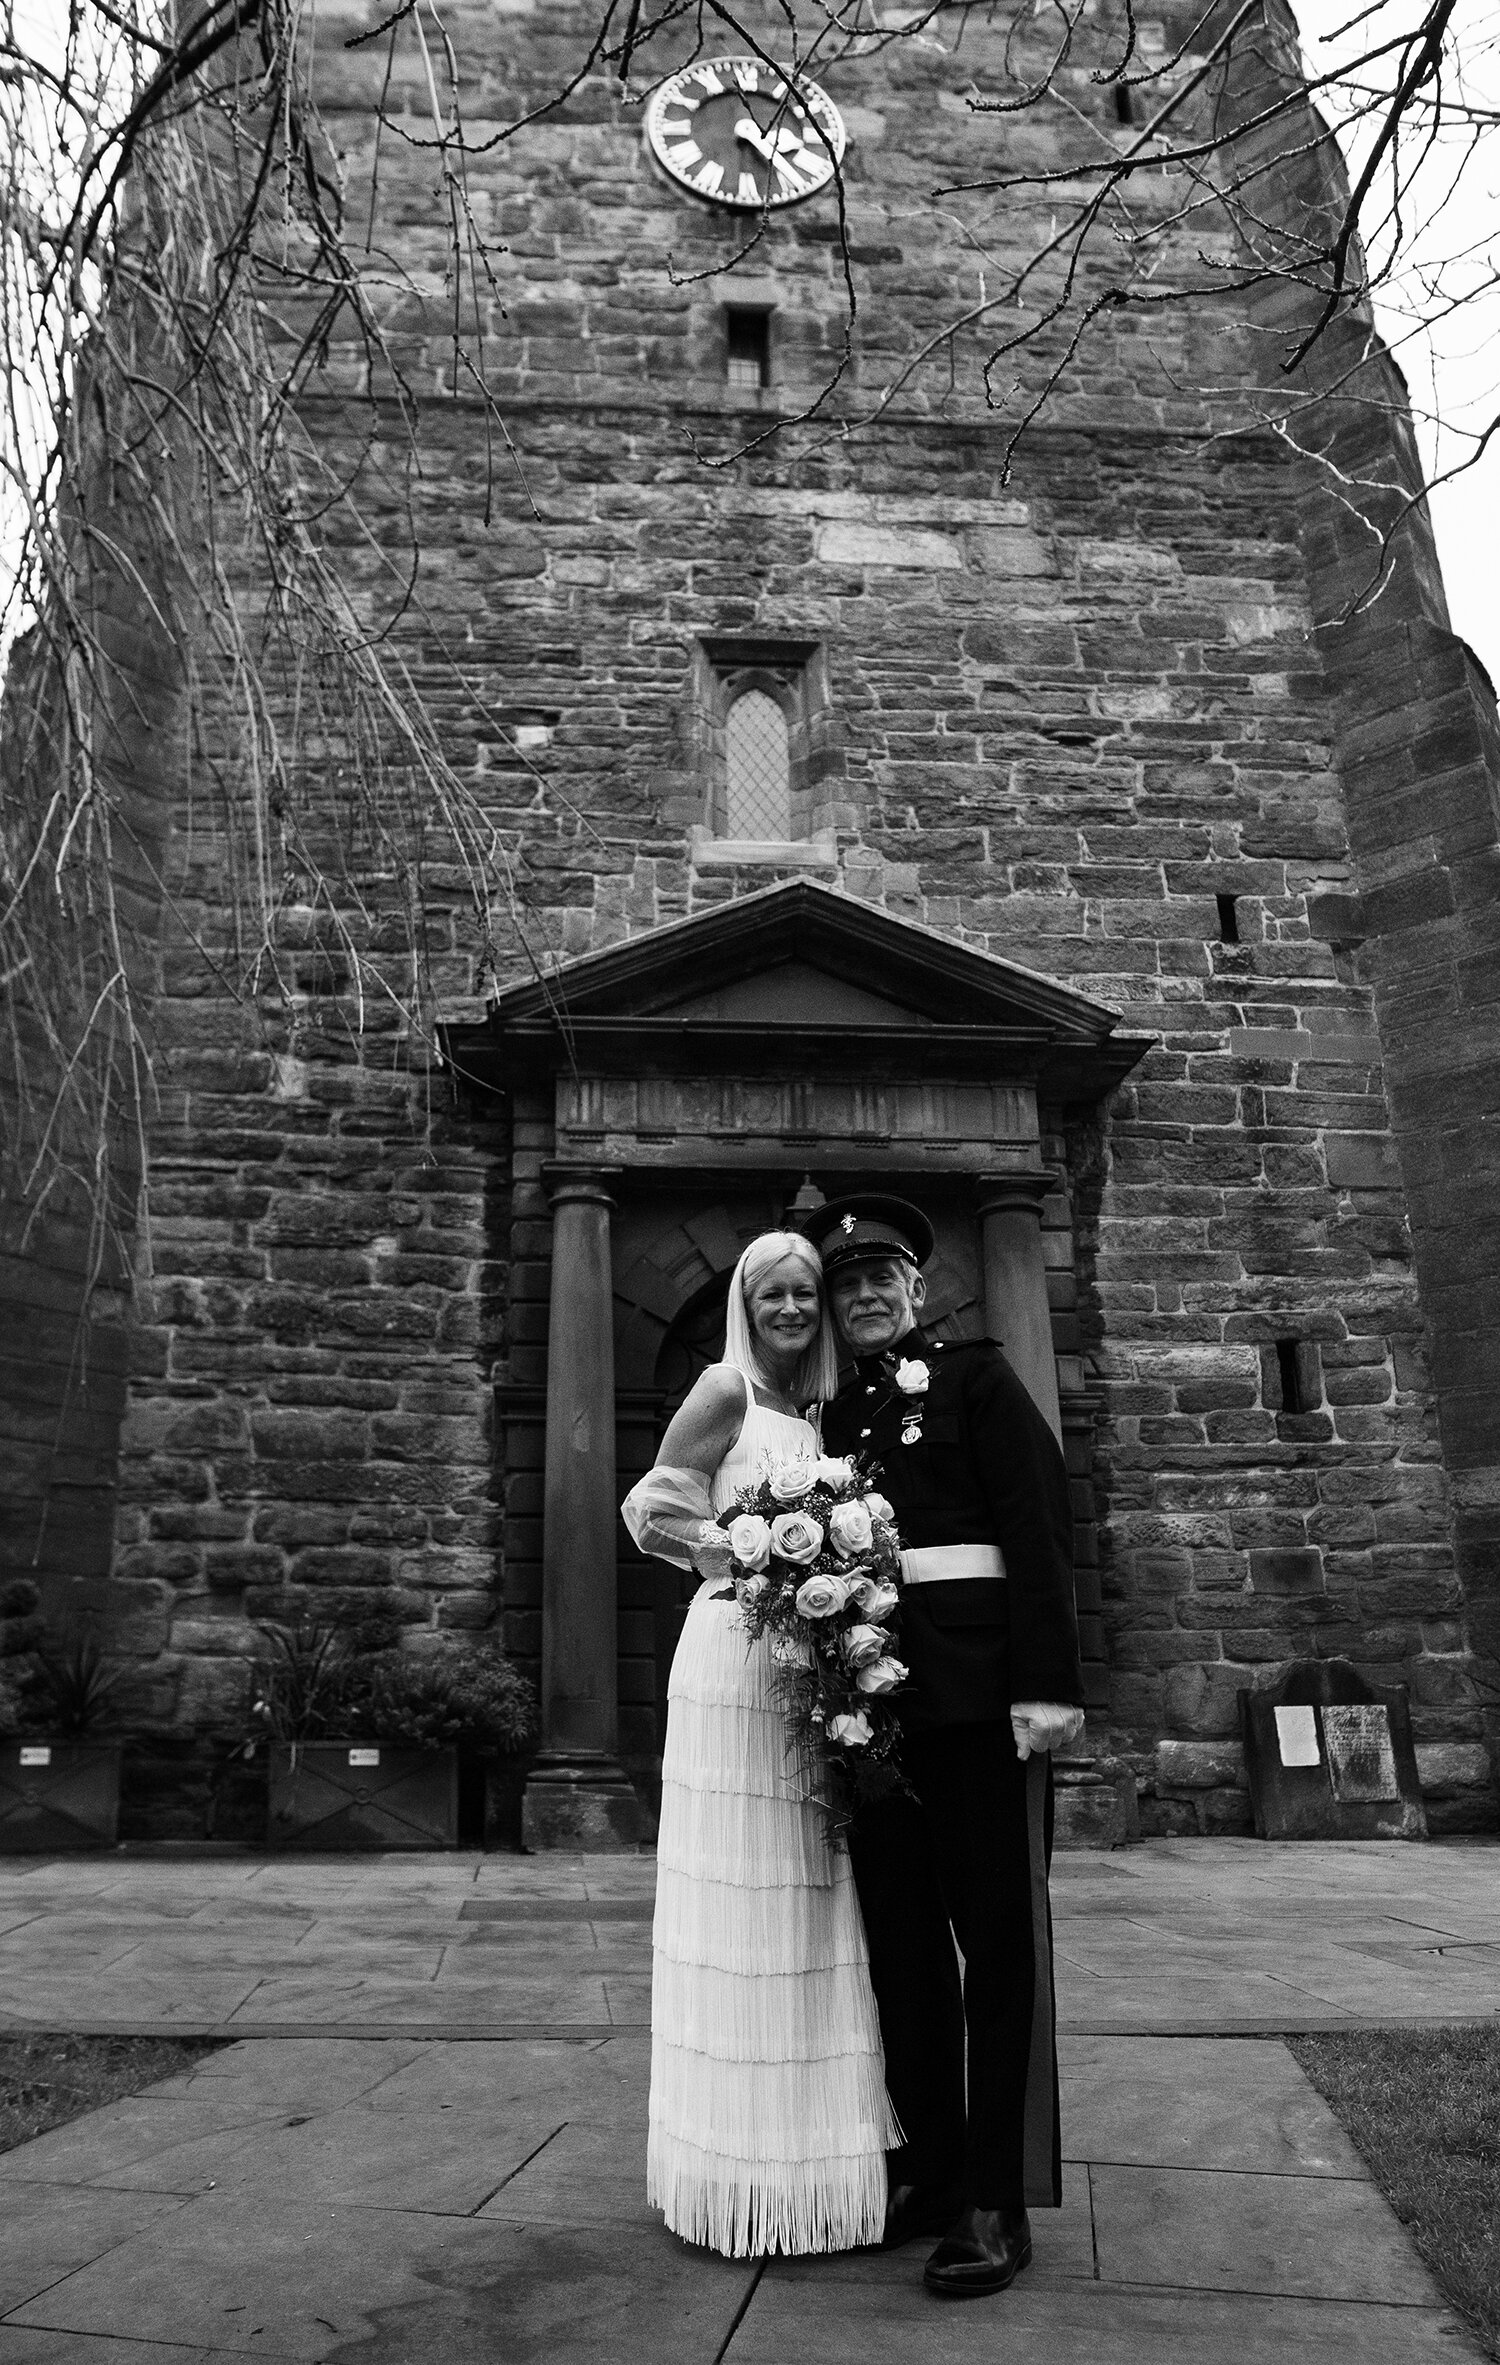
[567, 1182]
[1014, 1191]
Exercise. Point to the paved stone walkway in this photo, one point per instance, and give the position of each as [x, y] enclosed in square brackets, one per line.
[446, 2167]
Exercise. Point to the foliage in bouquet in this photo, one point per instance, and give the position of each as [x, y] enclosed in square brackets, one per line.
[816, 1558]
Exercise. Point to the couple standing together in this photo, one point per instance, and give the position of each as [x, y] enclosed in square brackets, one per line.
[823, 2075]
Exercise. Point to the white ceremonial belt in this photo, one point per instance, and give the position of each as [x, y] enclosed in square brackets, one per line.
[936, 1564]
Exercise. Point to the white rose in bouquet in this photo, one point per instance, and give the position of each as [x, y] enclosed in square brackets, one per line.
[882, 1675]
[821, 1596]
[853, 1731]
[874, 1598]
[796, 1537]
[878, 1507]
[833, 1470]
[912, 1377]
[749, 1589]
[790, 1481]
[862, 1644]
[750, 1541]
[850, 1529]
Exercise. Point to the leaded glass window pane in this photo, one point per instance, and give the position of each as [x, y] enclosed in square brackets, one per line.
[759, 798]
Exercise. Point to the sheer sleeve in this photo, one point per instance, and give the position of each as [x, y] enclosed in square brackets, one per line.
[666, 1512]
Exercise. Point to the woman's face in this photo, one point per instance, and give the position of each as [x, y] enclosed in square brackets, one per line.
[785, 1308]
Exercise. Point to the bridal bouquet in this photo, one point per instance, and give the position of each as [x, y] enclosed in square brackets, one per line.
[816, 1557]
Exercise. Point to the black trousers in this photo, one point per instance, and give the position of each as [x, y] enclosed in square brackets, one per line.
[954, 1862]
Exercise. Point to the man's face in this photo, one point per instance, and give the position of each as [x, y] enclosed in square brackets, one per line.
[875, 1304]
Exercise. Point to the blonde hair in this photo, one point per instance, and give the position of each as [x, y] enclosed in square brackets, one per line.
[816, 1376]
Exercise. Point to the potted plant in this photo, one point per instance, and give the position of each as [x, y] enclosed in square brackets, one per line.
[364, 1749]
[59, 1780]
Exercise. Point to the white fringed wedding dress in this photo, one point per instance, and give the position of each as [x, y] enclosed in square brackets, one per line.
[769, 2114]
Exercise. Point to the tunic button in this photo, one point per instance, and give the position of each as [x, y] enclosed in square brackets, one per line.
[864, 1432]
[871, 1389]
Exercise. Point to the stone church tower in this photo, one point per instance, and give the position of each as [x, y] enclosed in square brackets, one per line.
[1048, 849]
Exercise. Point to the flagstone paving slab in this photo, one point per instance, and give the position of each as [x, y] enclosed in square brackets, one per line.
[1214, 2230]
[405, 2186]
[27, 2345]
[47, 2236]
[864, 2321]
[1198, 2102]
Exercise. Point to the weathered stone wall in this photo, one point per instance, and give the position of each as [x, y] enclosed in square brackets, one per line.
[1069, 714]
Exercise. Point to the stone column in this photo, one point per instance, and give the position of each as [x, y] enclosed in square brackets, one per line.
[1015, 1282]
[578, 1795]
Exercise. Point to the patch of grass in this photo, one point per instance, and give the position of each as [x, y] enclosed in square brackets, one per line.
[1422, 2106]
[47, 2080]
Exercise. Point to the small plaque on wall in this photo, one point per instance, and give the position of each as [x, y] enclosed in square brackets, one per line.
[364, 1757]
[36, 1756]
[1330, 1756]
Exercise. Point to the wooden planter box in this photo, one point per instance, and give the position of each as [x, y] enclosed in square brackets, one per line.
[360, 1794]
[59, 1794]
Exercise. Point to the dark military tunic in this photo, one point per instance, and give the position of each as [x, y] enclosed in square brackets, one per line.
[985, 1470]
[971, 2066]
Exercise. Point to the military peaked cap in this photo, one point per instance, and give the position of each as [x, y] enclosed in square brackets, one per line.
[856, 1231]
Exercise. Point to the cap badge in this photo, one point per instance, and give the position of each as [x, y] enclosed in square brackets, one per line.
[846, 1223]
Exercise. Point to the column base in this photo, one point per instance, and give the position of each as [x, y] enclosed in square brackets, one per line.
[582, 1804]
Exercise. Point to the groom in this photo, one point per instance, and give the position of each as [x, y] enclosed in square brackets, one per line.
[980, 1495]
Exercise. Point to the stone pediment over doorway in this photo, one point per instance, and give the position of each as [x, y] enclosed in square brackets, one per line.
[797, 978]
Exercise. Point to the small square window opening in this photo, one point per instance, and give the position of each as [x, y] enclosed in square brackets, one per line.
[749, 347]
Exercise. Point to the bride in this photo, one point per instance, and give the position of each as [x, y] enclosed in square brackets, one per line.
[769, 2117]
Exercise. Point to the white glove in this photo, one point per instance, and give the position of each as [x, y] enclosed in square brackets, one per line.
[1041, 1725]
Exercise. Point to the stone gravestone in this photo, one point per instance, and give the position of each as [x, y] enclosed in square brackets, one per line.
[1330, 1756]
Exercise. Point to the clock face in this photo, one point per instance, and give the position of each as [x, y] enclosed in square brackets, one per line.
[733, 131]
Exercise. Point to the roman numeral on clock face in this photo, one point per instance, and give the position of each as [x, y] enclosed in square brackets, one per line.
[688, 153]
[749, 191]
[710, 178]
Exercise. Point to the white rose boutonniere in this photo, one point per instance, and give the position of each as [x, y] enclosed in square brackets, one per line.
[913, 1377]
[750, 1541]
[798, 1538]
[790, 1481]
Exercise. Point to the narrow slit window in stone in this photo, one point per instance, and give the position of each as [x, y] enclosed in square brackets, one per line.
[749, 347]
[1124, 103]
[759, 787]
[1292, 1394]
[1229, 919]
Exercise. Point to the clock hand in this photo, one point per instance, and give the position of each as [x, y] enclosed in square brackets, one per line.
[748, 130]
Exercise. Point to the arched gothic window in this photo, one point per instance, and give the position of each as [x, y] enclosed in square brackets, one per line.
[758, 790]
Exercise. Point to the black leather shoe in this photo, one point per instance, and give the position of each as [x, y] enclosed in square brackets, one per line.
[983, 2252]
[913, 2209]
